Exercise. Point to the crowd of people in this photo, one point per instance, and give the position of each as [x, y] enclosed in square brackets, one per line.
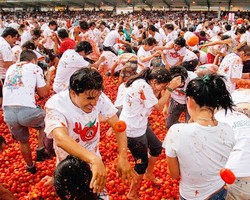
[175, 62]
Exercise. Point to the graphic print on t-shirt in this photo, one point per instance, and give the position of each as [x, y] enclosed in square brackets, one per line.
[174, 54]
[14, 80]
[88, 132]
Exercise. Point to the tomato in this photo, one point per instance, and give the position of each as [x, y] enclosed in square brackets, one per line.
[227, 175]
[120, 126]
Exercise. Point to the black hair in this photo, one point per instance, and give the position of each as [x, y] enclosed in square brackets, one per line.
[179, 71]
[150, 41]
[27, 55]
[37, 32]
[84, 46]
[86, 79]
[180, 41]
[210, 90]
[190, 65]
[128, 49]
[161, 74]
[240, 30]
[29, 45]
[72, 178]
[191, 29]
[202, 33]
[62, 33]
[84, 25]
[248, 27]
[224, 37]
[152, 28]
[52, 23]
[92, 24]
[9, 31]
[169, 26]
[228, 27]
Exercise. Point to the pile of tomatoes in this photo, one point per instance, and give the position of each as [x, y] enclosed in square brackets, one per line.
[23, 185]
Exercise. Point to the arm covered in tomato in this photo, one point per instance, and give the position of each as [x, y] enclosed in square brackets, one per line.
[123, 167]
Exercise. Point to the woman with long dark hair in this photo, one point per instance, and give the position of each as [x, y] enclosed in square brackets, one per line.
[145, 91]
[198, 150]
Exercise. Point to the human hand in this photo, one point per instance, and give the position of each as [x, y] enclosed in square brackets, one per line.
[47, 181]
[175, 82]
[124, 170]
[99, 175]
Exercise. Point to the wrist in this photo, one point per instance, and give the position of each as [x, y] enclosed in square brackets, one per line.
[169, 89]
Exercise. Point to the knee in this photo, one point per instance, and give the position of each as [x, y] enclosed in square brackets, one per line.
[156, 151]
[141, 166]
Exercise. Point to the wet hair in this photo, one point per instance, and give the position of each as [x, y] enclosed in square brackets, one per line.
[190, 65]
[72, 178]
[161, 74]
[9, 31]
[84, 46]
[84, 25]
[62, 33]
[29, 45]
[85, 79]
[150, 41]
[27, 55]
[210, 90]
[179, 71]
[180, 41]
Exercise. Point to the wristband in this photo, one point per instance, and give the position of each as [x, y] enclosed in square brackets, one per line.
[169, 89]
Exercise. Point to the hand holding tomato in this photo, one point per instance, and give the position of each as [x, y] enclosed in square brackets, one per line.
[227, 175]
[99, 175]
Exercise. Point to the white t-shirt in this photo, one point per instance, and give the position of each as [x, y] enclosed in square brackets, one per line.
[61, 112]
[142, 53]
[110, 58]
[20, 84]
[48, 33]
[241, 96]
[202, 151]
[173, 56]
[239, 159]
[120, 95]
[137, 106]
[203, 57]
[26, 36]
[179, 94]
[111, 38]
[5, 55]
[189, 55]
[231, 67]
[70, 62]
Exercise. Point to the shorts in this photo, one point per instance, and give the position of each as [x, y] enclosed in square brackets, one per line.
[240, 190]
[20, 118]
[175, 109]
[139, 148]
